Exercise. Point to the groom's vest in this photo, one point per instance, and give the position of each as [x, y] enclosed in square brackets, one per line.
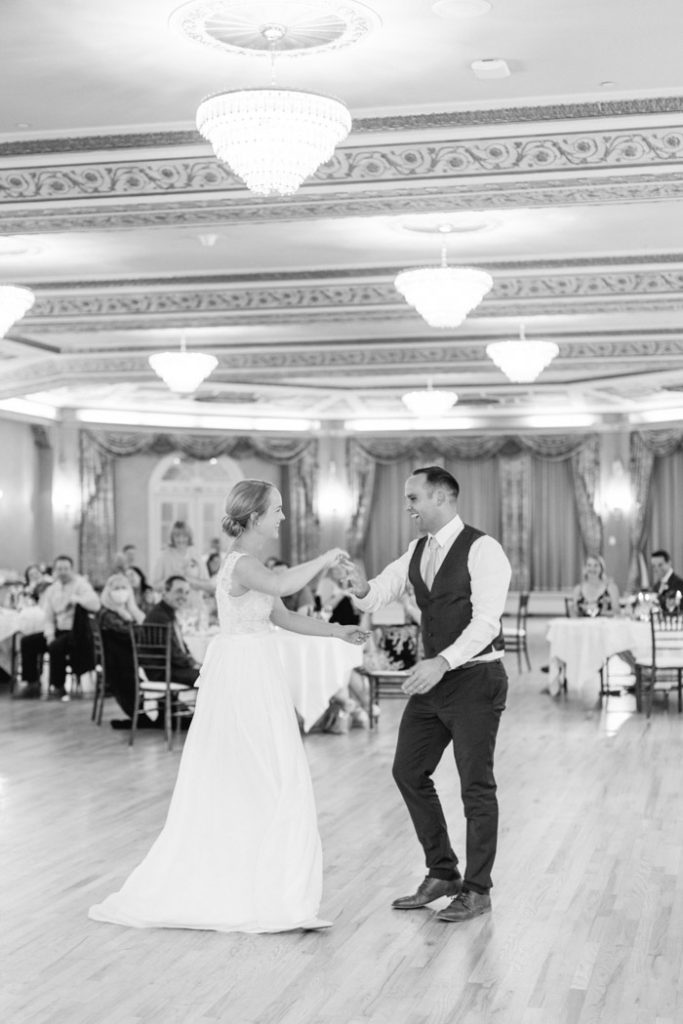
[447, 607]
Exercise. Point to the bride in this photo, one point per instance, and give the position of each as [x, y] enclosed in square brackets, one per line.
[240, 849]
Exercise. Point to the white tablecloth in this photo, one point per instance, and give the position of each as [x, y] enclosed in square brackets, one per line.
[316, 667]
[585, 644]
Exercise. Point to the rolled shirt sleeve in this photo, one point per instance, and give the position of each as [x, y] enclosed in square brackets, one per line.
[389, 585]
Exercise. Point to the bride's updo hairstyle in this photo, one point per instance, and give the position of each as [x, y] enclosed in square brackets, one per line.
[247, 499]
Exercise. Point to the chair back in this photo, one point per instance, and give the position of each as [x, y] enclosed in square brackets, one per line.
[97, 641]
[396, 647]
[666, 632]
[152, 650]
[569, 607]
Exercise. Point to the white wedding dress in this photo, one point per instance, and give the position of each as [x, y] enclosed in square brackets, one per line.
[240, 849]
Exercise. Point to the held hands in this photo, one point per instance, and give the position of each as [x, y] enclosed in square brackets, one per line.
[335, 556]
[425, 675]
[355, 580]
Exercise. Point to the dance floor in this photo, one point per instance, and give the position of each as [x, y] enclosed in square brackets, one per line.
[587, 922]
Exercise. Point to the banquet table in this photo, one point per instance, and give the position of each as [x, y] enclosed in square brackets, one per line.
[585, 644]
[315, 667]
[29, 620]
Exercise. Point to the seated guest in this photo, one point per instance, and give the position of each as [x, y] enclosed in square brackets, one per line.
[335, 603]
[301, 602]
[32, 643]
[125, 562]
[666, 584]
[115, 618]
[181, 559]
[184, 668]
[67, 629]
[595, 594]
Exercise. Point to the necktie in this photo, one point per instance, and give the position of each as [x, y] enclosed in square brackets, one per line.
[430, 565]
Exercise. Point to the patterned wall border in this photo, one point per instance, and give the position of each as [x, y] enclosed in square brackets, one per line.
[572, 153]
[656, 105]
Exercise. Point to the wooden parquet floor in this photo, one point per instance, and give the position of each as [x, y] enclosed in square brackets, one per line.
[587, 923]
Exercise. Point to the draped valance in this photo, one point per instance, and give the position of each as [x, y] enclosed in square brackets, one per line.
[282, 450]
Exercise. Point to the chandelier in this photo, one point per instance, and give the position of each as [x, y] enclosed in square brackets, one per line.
[429, 403]
[14, 302]
[522, 361]
[183, 371]
[273, 139]
[443, 295]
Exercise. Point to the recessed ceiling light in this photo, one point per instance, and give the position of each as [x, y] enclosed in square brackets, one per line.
[491, 67]
[606, 84]
[22, 124]
[460, 224]
[461, 8]
[208, 240]
[13, 248]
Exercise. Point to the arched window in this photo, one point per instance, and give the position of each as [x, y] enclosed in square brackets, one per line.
[191, 490]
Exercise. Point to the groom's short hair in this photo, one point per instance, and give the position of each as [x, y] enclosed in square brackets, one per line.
[437, 476]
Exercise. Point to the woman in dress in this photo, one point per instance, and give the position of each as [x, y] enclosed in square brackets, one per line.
[181, 559]
[118, 611]
[240, 849]
[595, 594]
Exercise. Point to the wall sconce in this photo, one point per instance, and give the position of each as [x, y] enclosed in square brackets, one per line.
[334, 499]
[66, 502]
[616, 494]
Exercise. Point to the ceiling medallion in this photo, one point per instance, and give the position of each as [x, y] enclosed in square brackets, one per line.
[14, 302]
[522, 361]
[183, 371]
[242, 26]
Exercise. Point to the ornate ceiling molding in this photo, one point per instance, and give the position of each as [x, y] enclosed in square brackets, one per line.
[648, 107]
[275, 365]
[101, 306]
[357, 165]
[478, 196]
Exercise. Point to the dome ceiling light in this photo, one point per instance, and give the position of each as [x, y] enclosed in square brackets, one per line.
[183, 371]
[429, 403]
[522, 361]
[14, 303]
[443, 295]
[272, 138]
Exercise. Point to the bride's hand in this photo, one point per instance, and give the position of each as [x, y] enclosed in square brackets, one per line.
[353, 634]
[334, 556]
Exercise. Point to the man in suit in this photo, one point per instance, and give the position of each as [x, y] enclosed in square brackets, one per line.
[184, 668]
[665, 582]
[457, 692]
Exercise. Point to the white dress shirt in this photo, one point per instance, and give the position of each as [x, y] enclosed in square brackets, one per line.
[60, 600]
[490, 574]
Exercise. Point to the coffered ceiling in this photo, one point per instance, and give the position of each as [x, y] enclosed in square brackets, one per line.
[563, 180]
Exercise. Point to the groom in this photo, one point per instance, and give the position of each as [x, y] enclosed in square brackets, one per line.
[457, 692]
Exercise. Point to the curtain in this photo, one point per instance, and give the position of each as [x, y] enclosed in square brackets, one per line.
[515, 478]
[656, 463]
[556, 549]
[585, 465]
[97, 527]
[360, 471]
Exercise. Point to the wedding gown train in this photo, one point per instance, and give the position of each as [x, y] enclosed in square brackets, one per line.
[240, 849]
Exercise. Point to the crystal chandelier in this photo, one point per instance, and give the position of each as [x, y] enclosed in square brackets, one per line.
[183, 371]
[443, 296]
[522, 361]
[429, 403]
[14, 302]
[273, 139]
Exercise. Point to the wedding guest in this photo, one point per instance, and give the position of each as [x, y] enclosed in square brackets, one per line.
[184, 668]
[596, 594]
[127, 562]
[213, 563]
[118, 612]
[32, 643]
[67, 629]
[181, 559]
[666, 584]
[336, 605]
[213, 553]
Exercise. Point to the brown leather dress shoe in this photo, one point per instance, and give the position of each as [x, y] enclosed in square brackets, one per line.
[465, 906]
[429, 890]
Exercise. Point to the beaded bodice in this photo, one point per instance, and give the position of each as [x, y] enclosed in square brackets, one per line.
[248, 613]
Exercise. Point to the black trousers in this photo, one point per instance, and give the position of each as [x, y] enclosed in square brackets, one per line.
[59, 650]
[33, 647]
[463, 708]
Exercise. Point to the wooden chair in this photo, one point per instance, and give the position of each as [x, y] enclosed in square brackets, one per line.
[516, 636]
[662, 668]
[393, 652]
[152, 657]
[102, 690]
[569, 607]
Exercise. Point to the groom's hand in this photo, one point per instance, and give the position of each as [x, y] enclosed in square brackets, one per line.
[355, 581]
[425, 675]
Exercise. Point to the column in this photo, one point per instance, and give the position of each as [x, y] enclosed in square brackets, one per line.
[66, 486]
